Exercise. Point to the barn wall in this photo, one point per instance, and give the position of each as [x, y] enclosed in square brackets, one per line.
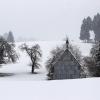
[66, 68]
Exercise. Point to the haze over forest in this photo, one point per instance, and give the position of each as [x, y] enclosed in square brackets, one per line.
[45, 19]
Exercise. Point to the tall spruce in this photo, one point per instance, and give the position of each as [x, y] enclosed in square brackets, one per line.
[94, 67]
[10, 37]
[96, 26]
[85, 29]
[5, 36]
[97, 61]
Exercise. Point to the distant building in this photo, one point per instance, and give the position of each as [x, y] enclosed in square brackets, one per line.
[67, 67]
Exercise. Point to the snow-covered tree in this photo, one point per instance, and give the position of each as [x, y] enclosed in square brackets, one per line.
[93, 62]
[97, 60]
[55, 54]
[34, 53]
[90, 25]
[89, 65]
[7, 52]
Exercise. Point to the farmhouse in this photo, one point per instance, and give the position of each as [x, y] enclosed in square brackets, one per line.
[66, 67]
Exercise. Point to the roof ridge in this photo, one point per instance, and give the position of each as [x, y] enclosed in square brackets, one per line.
[70, 53]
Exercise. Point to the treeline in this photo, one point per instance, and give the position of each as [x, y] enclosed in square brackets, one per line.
[88, 25]
[8, 53]
[9, 37]
[90, 66]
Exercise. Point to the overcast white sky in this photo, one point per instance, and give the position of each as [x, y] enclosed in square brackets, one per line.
[45, 19]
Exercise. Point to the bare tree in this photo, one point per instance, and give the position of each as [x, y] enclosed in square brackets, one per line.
[34, 53]
[55, 54]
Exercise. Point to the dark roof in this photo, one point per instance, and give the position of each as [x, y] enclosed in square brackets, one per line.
[60, 58]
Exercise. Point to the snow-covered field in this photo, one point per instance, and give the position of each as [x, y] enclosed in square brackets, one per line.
[82, 89]
[19, 84]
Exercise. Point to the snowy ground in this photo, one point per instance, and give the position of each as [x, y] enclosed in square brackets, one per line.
[21, 70]
[82, 89]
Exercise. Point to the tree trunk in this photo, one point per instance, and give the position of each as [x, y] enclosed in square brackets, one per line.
[32, 69]
[33, 64]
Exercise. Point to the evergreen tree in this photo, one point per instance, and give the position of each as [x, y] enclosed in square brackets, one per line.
[85, 28]
[7, 52]
[93, 62]
[82, 32]
[10, 37]
[1, 51]
[96, 26]
[97, 61]
[5, 36]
